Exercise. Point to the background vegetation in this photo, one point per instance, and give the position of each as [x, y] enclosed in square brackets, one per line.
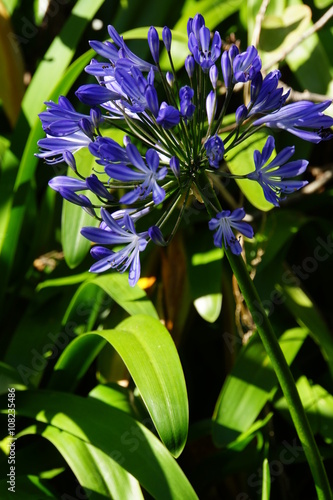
[102, 390]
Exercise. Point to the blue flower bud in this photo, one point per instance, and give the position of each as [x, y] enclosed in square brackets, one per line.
[175, 166]
[213, 75]
[241, 114]
[170, 78]
[70, 160]
[155, 234]
[167, 37]
[152, 99]
[189, 65]
[154, 44]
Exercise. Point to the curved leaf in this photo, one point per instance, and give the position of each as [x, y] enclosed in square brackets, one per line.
[134, 447]
[151, 357]
[98, 473]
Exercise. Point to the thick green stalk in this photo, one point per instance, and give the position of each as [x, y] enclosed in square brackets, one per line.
[275, 354]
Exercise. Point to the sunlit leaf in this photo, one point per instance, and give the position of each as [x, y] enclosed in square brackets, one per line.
[250, 384]
[142, 454]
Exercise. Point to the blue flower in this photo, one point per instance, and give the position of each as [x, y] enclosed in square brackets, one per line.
[119, 51]
[246, 65]
[114, 233]
[53, 148]
[93, 94]
[303, 119]
[265, 96]
[146, 175]
[199, 43]
[272, 176]
[215, 149]
[62, 118]
[168, 116]
[108, 151]
[223, 222]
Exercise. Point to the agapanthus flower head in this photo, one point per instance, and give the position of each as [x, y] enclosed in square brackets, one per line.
[204, 51]
[223, 223]
[174, 142]
[117, 234]
[304, 119]
[275, 177]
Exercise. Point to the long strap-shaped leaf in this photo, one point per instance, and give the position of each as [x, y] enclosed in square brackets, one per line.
[111, 430]
[151, 357]
[98, 473]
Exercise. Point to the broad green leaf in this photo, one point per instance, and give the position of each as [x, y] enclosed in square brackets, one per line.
[281, 30]
[151, 357]
[98, 473]
[318, 404]
[240, 161]
[111, 430]
[57, 58]
[132, 299]
[307, 314]
[113, 395]
[205, 276]
[81, 314]
[65, 281]
[251, 383]
[309, 58]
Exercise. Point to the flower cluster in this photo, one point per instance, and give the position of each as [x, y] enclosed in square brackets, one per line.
[172, 144]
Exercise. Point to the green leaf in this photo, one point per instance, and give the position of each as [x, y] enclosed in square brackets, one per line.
[251, 383]
[318, 404]
[205, 276]
[307, 314]
[151, 357]
[81, 314]
[240, 161]
[110, 430]
[9, 378]
[97, 472]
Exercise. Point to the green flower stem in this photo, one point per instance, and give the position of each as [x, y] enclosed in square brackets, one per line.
[275, 354]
